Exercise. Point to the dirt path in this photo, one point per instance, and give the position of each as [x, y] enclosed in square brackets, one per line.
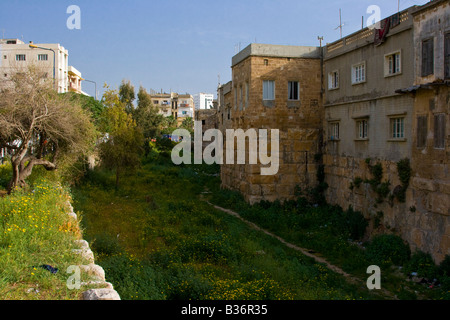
[304, 251]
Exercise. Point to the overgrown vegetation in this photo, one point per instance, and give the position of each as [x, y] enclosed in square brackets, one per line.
[173, 246]
[35, 230]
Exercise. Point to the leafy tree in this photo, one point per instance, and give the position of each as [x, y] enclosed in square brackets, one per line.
[94, 107]
[120, 151]
[127, 95]
[147, 116]
[188, 124]
[41, 127]
[170, 124]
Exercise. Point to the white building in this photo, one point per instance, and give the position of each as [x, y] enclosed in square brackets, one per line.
[203, 101]
[51, 58]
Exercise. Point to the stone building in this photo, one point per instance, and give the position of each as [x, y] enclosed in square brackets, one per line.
[274, 87]
[375, 104]
[429, 224]
[386, 100]
[366, 121]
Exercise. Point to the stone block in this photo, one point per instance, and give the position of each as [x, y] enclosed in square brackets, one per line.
[101, 294]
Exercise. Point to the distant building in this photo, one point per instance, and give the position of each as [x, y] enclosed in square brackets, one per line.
[203, 101]
[75, 80]
[180, 106]
[15, 55]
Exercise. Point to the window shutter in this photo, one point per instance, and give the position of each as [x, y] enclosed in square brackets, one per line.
[427, 57]
[421, 131]
[439, 131]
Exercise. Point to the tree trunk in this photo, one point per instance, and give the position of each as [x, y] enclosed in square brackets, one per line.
[22, 172]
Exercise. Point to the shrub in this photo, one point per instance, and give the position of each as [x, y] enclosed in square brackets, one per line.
[356, 224]
[423, 264]
[444, 266]
[386, 249]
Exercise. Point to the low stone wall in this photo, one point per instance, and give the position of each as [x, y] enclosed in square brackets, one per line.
[104, 290]
[421, 220]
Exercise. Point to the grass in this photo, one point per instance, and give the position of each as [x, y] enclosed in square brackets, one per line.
[157, 241]
[35, 230]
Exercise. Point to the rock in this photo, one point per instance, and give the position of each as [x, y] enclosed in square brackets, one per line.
[82, 244]
[95, 270]
[86, 254]
[101, 294]
[106, 285]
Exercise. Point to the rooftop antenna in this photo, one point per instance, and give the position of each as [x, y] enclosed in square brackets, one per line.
[3, 33]
[320, 40]
[340, 23]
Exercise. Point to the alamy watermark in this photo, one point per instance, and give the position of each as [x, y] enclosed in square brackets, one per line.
[374, 281]
[258, 144]
[74, 20]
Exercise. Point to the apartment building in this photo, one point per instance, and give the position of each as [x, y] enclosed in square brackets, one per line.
[274, 87]
[386, 99]
[51, 58]
[430, 136]
[180, 106]
[203, 101]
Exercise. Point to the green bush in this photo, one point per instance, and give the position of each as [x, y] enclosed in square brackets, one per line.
[423, 264]
[5, 174]
[388, 249]
[444, 267]
[356, 224]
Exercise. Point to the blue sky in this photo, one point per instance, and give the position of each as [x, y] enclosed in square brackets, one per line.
[178, 45]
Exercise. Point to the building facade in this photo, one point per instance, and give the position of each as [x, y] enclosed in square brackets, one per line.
[53, 60]
[375, 104]
[203, 101]
[180, 106]
[274, 87]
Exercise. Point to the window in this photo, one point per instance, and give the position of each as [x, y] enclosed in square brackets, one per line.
[21, 57]
[333, 131]
[359, 73]
[235, 98]
[42, 57]
[266, 62]
[447, 56]
[397, 128]
[333, 80]
[427, 57]
[293, 90]
[392, 64]
[155, 101]
[268, 90]
[362, 127]
[5, 57]
[439, 131]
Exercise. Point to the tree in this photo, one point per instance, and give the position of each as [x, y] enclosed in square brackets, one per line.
[122, 146]
[188, 124]
[147, 116]
[41, 127]
[127, 95]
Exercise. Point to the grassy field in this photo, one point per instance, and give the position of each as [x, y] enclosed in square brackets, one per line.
[156, 240]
